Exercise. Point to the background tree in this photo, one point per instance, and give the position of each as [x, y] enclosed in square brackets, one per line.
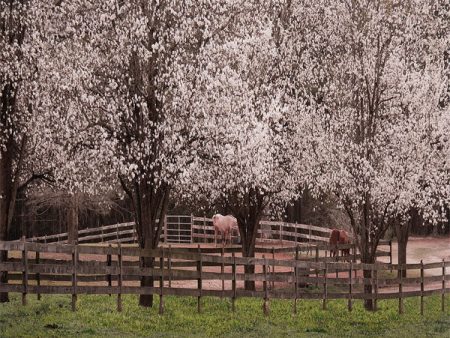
[374, 72]
[129, 114]
[248, 149]
[17, 73]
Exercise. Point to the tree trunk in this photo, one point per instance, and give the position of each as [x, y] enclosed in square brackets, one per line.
[145, 242]
[248, 210]
[146, 281]
[72, 220]
[368, 228]
[367, 249]
[402, 234]
[368, 303]
[151, 205]
[5, 202]
[368, 258]
[9, 181]
[402, 255]
[248, 228]
[249, 251]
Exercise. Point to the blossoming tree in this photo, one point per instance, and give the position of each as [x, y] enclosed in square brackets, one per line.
[375, 73]
[126, 70]
[249, 147]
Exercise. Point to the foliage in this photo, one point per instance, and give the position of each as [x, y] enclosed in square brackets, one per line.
[375, 74]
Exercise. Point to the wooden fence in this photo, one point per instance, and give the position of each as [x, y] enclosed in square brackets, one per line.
[313, 239]
[122, 233]
[192, 229]
[189, 229]
[36, 268]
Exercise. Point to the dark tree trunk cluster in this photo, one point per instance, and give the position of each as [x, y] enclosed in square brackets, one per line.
[368, 228]
[72, 220]
[5, 200]
[402, 230]
[248, 211]
[150, 202]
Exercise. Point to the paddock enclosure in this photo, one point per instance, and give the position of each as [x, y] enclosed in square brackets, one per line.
[193, 229]
[292, 261]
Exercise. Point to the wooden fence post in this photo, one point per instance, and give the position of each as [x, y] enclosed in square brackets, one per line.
[166, 240]
[24, 271]
[281, 232]
[375, 286]
[192, 228]
[273, 268]
[161, 282]
[74, 275]
[317, 271]
[296, 279]
[119, 278]
[337, 259]
[325, 289]
[400, 289]
[204, 230]
[179, 230]
[233, 283]
[109, 264]
[222, 270]
[350, 287]
[390, 254]
[266, 293]
[199, 280]
[170, 265]
[309, 236]
[38, 276]
[443, 286]
[421, 286]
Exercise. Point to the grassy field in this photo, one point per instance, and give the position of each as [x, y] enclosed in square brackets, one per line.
[97, 317]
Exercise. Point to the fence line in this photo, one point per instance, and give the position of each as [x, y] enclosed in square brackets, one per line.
[30, 273]
[198, 229]
[201, 230]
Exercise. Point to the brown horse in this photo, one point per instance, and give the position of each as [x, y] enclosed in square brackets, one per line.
[343, 239]
[334, 241]
[338, 237]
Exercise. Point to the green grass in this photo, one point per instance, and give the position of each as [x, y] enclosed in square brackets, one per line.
[97, 317]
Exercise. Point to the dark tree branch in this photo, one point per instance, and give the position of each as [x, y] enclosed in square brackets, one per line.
[46, 177]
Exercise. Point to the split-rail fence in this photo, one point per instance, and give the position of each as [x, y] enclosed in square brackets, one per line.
[39, 268]
[192, 229]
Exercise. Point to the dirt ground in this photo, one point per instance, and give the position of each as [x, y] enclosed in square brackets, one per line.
[428, 249]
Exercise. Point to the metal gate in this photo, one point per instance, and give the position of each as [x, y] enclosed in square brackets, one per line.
[178, 229]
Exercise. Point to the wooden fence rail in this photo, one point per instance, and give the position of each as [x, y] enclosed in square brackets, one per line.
[311, 238]
[83, 269]
[200, 229]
